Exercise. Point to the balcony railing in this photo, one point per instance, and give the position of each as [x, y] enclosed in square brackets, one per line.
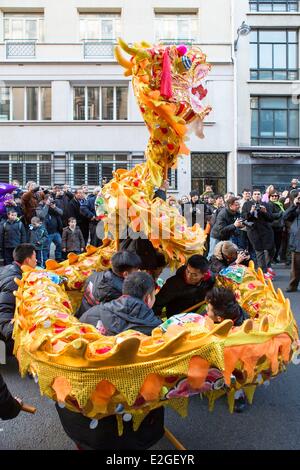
[188, 42]
[98, 48]
[20, 48]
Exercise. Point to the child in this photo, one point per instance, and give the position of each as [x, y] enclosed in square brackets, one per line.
[12, 233]
[222, 305]
[107, 285]
[131, 311]
[38, 237]
[72, 238]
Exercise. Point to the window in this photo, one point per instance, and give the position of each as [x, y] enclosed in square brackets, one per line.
[275, 121]
[107, 103]
[279, 175]
[24, 27]
[209, 168]
[25, 103]
[25, 167]
[176, 27]
[274, 5]
[90, 168]
[274, 55]
[104, 26]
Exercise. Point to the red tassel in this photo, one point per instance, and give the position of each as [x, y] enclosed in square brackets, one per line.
[166, 79]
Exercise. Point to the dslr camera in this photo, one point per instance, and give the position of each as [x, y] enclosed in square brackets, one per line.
[297, 200]
[246, 222]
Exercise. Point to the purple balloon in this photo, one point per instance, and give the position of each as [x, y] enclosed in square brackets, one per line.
[4, 190]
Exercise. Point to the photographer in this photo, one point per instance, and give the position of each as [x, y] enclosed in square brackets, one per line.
[29, 201]
[225, 254]
[292, 214]
[51, 215]
[260, 232]
[227, 222]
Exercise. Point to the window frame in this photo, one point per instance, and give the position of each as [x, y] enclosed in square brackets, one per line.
[39, 17]
[21, 160]
[272, 3]
[115, 114]
[115, 17]
[288, 70]
[257, 140]
[109, 158]
[25, 87]
[193, 17]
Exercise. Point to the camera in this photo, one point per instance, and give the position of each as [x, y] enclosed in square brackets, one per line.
[246, 223]
[297, 200]
[244, 252]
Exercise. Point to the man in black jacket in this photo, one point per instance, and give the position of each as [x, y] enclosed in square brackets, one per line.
[88, 210]
[51, 216]
[23, 254]
[131, 311]
[260, 233]
[107, 285]
[12, 233]
[10, 407]
[187, 288]
[227, 221]
[62, 197]
[74, 211]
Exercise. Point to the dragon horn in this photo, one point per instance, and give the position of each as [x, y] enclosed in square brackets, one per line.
[132, 50]
[122, 61]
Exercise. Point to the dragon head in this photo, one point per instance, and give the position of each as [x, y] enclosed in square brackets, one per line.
[168, 83]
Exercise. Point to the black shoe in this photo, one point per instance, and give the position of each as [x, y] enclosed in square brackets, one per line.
[291, 290]
[240, 404]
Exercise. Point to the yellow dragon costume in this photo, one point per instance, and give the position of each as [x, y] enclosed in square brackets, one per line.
[132, 373]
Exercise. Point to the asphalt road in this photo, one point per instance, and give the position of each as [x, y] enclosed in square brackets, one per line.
[272, 422]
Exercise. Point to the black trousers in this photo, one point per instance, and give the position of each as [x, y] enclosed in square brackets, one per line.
[295, 271]
[8, 255]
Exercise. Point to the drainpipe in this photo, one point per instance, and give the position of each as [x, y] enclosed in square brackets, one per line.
[233, 171]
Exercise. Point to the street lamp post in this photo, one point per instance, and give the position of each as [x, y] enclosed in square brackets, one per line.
[243, 30]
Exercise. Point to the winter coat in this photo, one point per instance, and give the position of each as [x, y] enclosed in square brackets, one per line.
[30, 201]
[9, 406]
[88, 208]
[292, 215]
[260, 234]
[124, 313]
[38, 236]
[177, 296]
[72, 240]
[62, 202]
[216, 265]
[7, 298]
[277, 211]
[243, 316]
[51, 217]
[74, 210]
[100, 287]
[224, 227]
[12, 234]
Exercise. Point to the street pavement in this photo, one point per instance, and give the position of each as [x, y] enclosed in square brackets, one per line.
[272, 422]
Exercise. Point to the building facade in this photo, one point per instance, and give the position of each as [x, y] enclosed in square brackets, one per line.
[67, 113]
[268, 92]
